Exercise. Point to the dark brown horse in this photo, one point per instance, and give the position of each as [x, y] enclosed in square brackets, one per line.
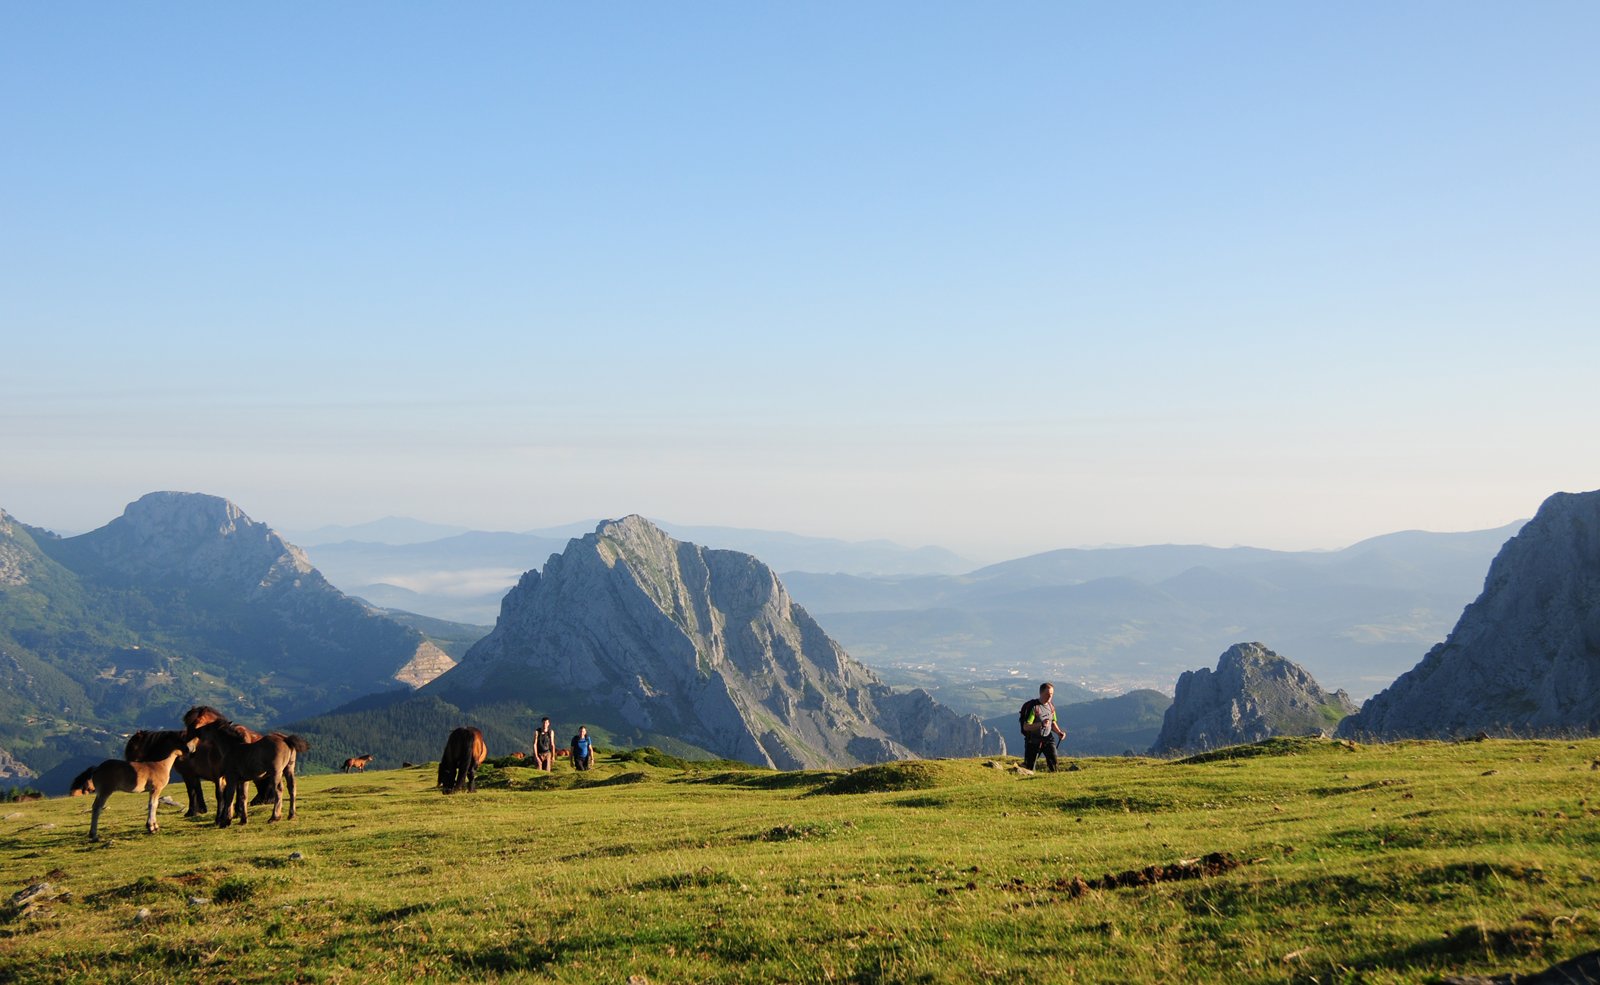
[149, 774]
[206, 763]
[458, 767]
[264, 760]
[357, 763]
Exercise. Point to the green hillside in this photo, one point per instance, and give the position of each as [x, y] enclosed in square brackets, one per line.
[1328, 862]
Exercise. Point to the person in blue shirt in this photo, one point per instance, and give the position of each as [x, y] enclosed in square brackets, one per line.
[582, 749]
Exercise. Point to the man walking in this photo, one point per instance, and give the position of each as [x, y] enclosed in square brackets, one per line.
[1040, 729]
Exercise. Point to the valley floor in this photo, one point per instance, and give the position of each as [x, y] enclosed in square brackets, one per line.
[1392, 863]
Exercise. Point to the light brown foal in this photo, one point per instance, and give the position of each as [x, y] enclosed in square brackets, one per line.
[121, 776]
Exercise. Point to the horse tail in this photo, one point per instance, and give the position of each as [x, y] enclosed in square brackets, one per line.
[82, 783]
[296, 743]
[480, 750]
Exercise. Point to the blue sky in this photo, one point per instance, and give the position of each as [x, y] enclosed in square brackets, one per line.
[997, 277]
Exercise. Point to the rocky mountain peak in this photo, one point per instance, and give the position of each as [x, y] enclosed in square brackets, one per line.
[1253, 694]
[654, 636]
[196, 538]
[1523, 658]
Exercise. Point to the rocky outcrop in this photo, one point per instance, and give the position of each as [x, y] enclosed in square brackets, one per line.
[13, 770]
[1525, 657]
[426, 664]
[650, 635]
[1253, 694]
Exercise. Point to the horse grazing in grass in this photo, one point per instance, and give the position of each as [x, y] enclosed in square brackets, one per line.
[357, 763]
[458, 767]
[152, 774]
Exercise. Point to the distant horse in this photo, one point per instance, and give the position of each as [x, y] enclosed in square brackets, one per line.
[357, 763]
[206, 763]
[82, 784]
[120, 775]
[463, 751]
[262, 760]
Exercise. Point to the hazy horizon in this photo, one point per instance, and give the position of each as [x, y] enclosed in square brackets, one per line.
[996, 279]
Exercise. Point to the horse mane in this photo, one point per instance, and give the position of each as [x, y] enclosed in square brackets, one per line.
[202, 715]
[145, 746]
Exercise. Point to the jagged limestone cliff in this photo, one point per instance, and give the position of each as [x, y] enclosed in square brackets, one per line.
[1253, 694]
[1525, 657]
[650, 635]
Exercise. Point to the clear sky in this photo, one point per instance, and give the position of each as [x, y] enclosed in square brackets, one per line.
[1000, 277]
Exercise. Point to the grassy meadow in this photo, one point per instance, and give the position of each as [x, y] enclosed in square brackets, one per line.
[1389, 863]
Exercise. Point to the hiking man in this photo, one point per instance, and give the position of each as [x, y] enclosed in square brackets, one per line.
[544, 746]
[1040, 729]
[582, 749]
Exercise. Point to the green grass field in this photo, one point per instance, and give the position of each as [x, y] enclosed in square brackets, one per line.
[1394, 863]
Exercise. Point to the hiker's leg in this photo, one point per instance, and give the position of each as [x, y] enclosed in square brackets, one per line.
[1030, 752]
[1049, 749]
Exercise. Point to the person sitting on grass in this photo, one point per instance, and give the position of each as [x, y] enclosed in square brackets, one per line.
[582, 749]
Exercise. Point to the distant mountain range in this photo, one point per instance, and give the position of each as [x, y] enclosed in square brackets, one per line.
[1136, 617]
[1123, 618]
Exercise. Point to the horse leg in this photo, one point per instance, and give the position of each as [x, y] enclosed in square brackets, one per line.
[100, 798]
[150, 825]
[238, 801]
[472, 777]
[277, 801]
[224, 804]
[197, 796]
[288, 779]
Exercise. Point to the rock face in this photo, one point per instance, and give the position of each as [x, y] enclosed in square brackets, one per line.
[1525, 657]
[210, 550]
[650, 635]
[1253, 694]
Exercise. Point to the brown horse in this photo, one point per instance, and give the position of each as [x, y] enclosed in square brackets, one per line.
[206, 763]
[120, 775]
[262, 760]
[463, 751]
[357, 763]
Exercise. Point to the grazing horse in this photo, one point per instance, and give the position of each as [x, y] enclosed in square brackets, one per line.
[152, 773]
[262, 760]
[463, 751]
[357, 763]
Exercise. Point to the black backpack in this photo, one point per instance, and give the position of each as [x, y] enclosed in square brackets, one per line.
[1022, 716]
